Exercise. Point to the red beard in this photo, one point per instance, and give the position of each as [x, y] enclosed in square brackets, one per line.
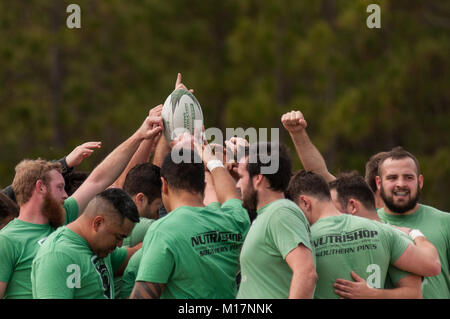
[53, 211]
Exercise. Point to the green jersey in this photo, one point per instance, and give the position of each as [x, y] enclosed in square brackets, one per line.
[66, 268]
[195, 251]
[435, 225]
[138, 233]
[129, 275]
[344, 243]
[19, 242]
[278, 228]
[137, 236]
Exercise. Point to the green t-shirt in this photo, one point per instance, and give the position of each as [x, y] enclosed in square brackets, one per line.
[19, 242]
[66, 268]
[138, 233]
[278, 229]
[195, 251]
[435, 225]
[394, 274]
[344, 243]
[129, 275]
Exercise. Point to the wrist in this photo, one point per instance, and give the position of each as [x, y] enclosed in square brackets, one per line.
[213, 164]
[414, 233]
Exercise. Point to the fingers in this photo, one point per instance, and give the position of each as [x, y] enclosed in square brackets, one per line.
[156, 111]
[90, 145]
[178, 82]
[293, 119]
[356, 277]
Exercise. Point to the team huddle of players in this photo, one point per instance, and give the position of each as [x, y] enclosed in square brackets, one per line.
[218, 226]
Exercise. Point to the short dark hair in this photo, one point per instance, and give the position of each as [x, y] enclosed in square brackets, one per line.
[187, 175]
[122, 203]
[352, 185]
[398, 153]
[144, 178]
[8, 208]
[372, 170]
[73, 181]
[308, 183]
[279, 180]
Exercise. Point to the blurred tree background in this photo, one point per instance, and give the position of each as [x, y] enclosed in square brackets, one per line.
[361, 90]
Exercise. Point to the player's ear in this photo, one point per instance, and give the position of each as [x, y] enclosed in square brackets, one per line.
[352, 206]
[97, 222]
[420, 181]
[165, 186]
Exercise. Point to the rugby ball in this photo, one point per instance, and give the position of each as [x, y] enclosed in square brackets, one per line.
[181, 112]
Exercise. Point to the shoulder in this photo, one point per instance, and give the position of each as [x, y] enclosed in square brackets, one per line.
[434, 211]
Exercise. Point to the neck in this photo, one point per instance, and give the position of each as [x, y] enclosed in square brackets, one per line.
[185, 199]
[409, 212]
[370, 214]
[323, 209]
[30, 212]
[268, 196]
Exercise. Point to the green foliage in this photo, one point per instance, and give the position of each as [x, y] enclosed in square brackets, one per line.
[249, 61]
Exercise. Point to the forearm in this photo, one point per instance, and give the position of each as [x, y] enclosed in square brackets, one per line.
[162, 149]
[428, 252]
[113, 165]
[142, 155]
[226, 187]
[395, 293]
[302, 285]
[310, 156]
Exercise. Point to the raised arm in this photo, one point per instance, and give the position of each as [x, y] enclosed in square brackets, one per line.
[144, 151]
[309, 155]
[113, 165]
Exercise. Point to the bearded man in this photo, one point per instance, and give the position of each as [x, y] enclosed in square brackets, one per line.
[399, 182]
[277, 258]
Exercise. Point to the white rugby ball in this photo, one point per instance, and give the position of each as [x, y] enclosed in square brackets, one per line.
[181, 112]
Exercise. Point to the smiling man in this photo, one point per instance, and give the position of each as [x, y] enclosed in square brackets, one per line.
[399, 181]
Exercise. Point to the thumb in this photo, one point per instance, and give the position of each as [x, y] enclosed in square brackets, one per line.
[356, 277]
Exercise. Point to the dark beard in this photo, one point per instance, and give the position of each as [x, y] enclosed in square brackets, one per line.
[53, 211]
[250, 201]
[400, 209]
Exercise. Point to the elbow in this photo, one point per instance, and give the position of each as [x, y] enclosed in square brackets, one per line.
[435, 269]
[432, 269]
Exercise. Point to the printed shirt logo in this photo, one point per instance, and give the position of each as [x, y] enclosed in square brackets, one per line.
[103, 272]
[42, 240]
[346, 243]
[213, 242]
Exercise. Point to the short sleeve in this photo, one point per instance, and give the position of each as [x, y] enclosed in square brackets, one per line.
[8, 258]
[157, 260]
[129, 276]
[118, 257]
[71, 207]
[55, 276]
[287, 230]
[398, 242]
[234, 208]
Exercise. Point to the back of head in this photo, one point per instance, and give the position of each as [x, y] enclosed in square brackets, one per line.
[113, 201]
[372, 170]
[8, 209]
[352, 185]
[186, 175]
[398, 153]
[28, 172]
[271, 160]
[74, 180]
[144, 178]
[308, 183]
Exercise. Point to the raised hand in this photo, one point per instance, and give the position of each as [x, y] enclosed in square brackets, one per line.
[179, 85]
[81, 152]
[294, 121]
[152, 126]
